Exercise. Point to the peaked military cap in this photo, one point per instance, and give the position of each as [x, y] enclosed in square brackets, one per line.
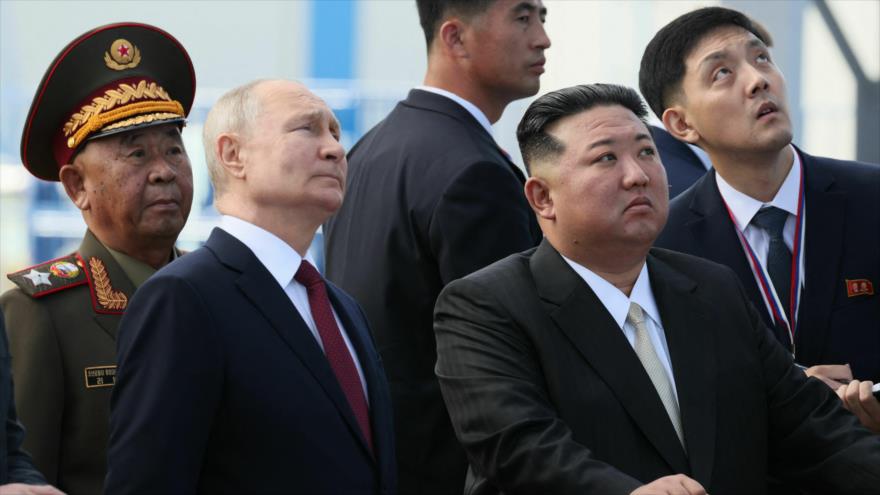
[112, 79]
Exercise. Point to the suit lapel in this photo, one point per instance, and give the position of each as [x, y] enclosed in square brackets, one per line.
[368, 359]
[824, 232]
[584, 320]
[692, 353]
[714, 234]
[258, 286]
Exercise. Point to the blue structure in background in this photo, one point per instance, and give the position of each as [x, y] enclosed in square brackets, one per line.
[332, 58]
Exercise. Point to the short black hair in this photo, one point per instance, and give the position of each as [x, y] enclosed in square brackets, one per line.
[536, 144]
[432, 12]
[663, 63]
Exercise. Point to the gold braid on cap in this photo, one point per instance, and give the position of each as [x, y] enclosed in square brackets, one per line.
[117, 104]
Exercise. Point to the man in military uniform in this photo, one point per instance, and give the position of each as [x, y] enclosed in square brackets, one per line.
[105, 122]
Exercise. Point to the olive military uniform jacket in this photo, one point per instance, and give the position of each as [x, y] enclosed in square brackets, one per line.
[61, 321]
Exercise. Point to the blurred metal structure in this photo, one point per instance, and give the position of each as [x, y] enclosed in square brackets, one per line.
[867, 92]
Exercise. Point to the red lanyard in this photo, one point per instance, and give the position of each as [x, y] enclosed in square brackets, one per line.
[771, 299]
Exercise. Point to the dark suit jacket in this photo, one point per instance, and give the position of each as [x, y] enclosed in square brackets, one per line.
[222, 388]
[430, 199]
[16, 465]
[547, 395]
[842, 243]
[683, 166]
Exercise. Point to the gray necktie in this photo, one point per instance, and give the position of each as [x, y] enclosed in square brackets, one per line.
[772, 220]
[656, 372]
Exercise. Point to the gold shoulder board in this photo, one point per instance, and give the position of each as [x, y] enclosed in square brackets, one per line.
[50, 276]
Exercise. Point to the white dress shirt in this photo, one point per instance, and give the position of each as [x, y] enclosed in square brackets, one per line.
[744, 208]
[282, 262]
[617, 304]
[470, 107]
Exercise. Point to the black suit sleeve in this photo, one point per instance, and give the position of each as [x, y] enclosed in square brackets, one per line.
[19, 465]
[814, 441]
[493, 386]
[481, 217]
[169, 383]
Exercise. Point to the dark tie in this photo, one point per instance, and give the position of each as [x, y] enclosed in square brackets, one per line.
[334, 346]
[772, 220]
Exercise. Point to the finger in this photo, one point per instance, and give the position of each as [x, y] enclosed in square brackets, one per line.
[833, 384]
[852, 399]
[866, 398]
[693, 487]
[45, 490]
[841, 372]
[841, 392]
[846, 373]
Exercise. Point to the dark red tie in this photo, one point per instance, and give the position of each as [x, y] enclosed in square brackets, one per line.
[334, 346]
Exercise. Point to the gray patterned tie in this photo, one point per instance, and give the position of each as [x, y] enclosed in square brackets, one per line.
[656, 372]
[772, 220]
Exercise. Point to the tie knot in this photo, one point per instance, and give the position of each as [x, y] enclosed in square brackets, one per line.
[771, 219]
[635, 314]
[307, 274]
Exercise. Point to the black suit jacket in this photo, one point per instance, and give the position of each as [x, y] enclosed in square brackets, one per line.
[683, 166]
[16, 466]
[547, 395]
[842, 242]
[430, 198]
[221, 388]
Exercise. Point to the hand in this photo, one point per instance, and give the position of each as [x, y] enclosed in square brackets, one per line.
[832, 374]
[678, 484]
[22, 489]
[860, 400]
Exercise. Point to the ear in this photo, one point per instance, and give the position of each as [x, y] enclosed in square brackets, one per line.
[537, 192]
[675, 120]
[74, 185]
[451, 36]
[229, 154]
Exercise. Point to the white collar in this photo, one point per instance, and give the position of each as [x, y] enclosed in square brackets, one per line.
[615, 301]
[277, 256]
[470, 107]
[744, 207]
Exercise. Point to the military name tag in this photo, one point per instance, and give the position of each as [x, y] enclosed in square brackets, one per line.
[100, 376]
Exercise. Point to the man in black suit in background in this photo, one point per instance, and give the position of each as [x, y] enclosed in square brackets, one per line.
[595, 364]
[802, 232]
[431, 197]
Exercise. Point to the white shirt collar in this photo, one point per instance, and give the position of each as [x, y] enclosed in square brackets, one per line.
[470, 107]
[277, 256]
[744, 207]
[615, 301]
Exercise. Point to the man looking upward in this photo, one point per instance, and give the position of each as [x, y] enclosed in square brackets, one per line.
[240, 369]
[595, 363]
[801, 232]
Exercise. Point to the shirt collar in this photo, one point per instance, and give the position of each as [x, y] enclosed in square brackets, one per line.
[136, 270]
[470, 107]
[744, 207]
[615, 301]
[277, 256]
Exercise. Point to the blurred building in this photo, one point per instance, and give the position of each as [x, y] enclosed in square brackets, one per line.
[363, 56]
